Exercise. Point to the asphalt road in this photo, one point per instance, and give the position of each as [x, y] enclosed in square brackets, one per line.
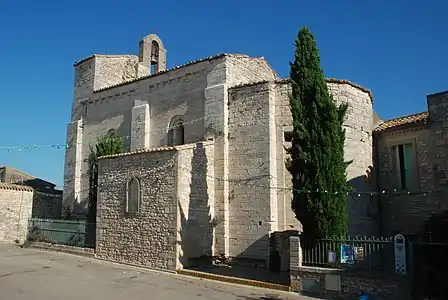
[31, 274]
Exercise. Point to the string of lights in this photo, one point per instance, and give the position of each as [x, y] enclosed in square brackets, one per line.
[246, 182]
[69, 145]
[63, 146]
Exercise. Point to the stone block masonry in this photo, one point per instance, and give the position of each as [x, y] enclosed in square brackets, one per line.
[147, 238]
[175, 220]
[46, 206]
[16, 204]
[342, 283]
[427, 179]
[252, 208]
[358, 124]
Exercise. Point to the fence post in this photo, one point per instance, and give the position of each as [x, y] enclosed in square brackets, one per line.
[295, 262]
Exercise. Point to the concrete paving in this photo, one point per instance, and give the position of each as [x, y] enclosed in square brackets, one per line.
[31, 274]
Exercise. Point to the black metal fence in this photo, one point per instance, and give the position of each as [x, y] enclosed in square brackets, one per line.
[66, 232]
[364, 253]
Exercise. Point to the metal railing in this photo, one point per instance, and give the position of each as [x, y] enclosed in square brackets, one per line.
[365, 253]
[65, 232]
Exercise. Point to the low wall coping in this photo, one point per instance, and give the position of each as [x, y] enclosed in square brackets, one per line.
[15, 187]
[351, 273]
[320, 270]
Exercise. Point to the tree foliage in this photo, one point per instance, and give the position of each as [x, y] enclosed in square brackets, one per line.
[106, 145]
[317, 152]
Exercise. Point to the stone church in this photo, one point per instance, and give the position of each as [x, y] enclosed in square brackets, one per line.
[203, 172]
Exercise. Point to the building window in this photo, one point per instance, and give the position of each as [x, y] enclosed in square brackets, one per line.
[403, 158]
[133, 195]
[176, 132]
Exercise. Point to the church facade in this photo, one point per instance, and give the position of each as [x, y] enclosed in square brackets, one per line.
[203, 173]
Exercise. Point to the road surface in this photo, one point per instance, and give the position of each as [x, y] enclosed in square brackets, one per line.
[31, 274]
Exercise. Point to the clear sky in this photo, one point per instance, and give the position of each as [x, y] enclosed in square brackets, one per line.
[395, 48]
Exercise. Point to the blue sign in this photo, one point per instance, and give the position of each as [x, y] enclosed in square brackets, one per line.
[347, 254]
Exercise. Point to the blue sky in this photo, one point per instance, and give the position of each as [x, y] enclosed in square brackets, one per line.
[393, 48]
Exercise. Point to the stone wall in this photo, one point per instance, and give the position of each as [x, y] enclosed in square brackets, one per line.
[114, 69]
[358, 147]
[147, 238]
[286, 217]
[406, 211]
[196, 203]
[252, 203]
[179, 92]
[363, 209]
[342, 283]
[16, 204]
[46, 205]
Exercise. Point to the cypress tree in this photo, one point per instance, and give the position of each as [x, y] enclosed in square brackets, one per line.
[106, 145]
[317, 161]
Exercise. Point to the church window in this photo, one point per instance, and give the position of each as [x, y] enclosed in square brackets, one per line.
[133, 195]
[176, 132]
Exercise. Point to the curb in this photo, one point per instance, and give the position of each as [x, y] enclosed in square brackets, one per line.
[86, 252]
[235, 280]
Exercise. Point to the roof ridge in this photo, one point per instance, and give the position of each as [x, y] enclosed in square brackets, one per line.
[413, 119]
[15, 187]
[192, 62]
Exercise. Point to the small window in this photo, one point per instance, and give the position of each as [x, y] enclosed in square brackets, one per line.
[403, 158]
[176, 133]
[287, 135]
[133, 195]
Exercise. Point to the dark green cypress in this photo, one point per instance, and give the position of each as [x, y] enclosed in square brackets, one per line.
[317, 152]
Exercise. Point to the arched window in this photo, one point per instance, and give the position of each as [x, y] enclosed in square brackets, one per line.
[133, 195]
[155, 49]
[176, 132]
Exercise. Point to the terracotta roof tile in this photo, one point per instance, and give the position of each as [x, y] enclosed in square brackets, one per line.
[15, 187]
[420, 118]
[158, 149]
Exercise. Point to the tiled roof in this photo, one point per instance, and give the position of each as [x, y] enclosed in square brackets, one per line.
[160, 72]
[158, 149]
[420, 118]
[102, 55]
[15, 187]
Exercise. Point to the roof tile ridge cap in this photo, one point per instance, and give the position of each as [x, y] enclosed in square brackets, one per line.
[407, 116]
[264, 81]
[188, 63]
[138, 151]
[15, 187]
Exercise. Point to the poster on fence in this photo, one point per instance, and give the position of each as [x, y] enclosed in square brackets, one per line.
[359, 253]
[346, 254]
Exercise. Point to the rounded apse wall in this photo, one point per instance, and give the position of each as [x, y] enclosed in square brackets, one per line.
[358, 148]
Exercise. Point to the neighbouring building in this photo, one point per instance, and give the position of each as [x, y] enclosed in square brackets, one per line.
[22, 197]
[204, 169]
[411, 155]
